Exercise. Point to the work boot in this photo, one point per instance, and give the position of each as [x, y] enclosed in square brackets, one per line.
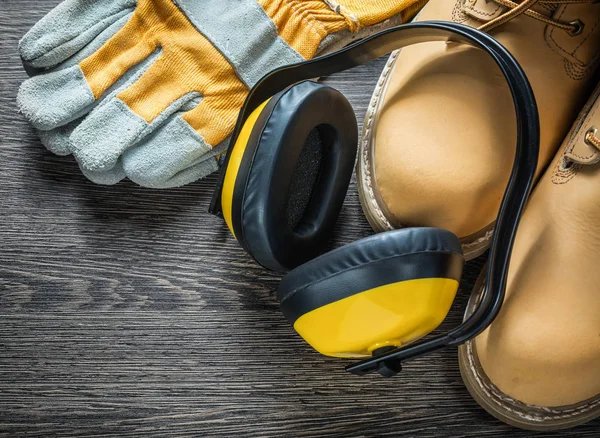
[439, 136]
[538, 365]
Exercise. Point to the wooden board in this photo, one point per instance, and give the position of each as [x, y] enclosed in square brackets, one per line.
[132, 312]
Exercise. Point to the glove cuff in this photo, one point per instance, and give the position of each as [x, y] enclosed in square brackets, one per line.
[304, 25]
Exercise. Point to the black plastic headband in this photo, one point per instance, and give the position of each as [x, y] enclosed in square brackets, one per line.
[515, 196]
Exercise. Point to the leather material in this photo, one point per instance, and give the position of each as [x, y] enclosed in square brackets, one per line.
[265, 230]
[544, 347]
[581, 51]
[483, 9]
[368, 263]
[445, 131]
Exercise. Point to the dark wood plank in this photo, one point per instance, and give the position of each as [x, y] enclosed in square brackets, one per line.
[132, 312]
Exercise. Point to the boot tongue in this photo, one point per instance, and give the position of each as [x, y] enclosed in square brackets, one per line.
[486, 10]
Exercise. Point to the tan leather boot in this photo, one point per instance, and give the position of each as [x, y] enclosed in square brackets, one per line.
[538, 365]
[439, 136]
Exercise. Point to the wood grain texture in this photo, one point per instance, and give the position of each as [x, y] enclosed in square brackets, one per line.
[132, 312]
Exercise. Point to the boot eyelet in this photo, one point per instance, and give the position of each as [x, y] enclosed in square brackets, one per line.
[592, 132]
[578, 27]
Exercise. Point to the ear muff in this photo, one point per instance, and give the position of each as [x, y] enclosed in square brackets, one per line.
[235, 161]
[386, 290]
[288, 174]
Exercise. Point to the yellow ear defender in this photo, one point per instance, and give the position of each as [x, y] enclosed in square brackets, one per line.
[385, 290]
[288, 173]
[282, 187]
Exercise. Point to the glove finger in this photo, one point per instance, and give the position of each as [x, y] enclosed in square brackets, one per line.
[58, 97]
[112, 129]
[115, 126]
[54, 99]
[165, 88]
[105, 177]
[204, 167]
[173, 156]
[58, 140]
[86, 51]
[68, 28]
[180, 152]
[93, 46]
[172, 81]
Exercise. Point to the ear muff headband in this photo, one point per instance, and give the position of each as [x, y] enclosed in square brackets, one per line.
[518, 188]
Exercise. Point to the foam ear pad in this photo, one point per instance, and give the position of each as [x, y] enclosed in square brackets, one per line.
[294, 175]
[387, 289]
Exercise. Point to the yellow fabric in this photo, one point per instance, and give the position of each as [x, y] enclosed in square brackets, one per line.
[304, 24]
[159, 23]
[390, 315]
[369, 12]
[178, 71]
[411, 11]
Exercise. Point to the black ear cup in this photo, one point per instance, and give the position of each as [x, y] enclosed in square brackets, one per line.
[387, 289]
[294, 175]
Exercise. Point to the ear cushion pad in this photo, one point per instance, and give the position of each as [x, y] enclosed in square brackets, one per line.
[385, 258]
[262, 189]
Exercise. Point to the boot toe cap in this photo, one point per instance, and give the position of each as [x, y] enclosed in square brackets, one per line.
[443, 140]
[539, 361]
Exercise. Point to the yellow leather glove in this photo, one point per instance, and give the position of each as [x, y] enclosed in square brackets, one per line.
[151, 89]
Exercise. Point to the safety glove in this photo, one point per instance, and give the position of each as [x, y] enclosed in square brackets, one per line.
[150, 89]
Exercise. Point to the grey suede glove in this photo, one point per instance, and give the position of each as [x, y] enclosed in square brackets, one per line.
[151, 89]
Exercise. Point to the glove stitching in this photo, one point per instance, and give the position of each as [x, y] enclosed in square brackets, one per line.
[309, 20]
[351, 19]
